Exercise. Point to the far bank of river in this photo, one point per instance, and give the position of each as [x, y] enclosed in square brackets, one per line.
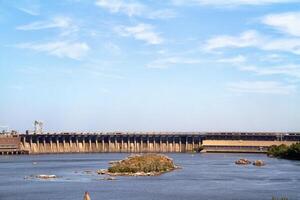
[203, 176]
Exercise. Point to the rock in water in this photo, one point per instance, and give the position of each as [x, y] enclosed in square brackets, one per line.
[86, 196]
[109, 178]
[44, 176]
[242, 161]
[102, 171]
[259, 163]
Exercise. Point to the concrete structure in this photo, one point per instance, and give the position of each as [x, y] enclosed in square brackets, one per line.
[153, 142]
[258, 142]
[10, 145]
[163, 142]
[110, 142]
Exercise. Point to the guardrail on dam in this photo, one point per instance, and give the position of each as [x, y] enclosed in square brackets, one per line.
[153, 142]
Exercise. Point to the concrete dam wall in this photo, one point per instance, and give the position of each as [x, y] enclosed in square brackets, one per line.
[80, 143]
[153, 142]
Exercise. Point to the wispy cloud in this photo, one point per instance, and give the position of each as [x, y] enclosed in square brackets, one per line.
[73, 50]
[246, 39]
[230, 3]
[288, 23]
[30, 11]
[241, 63]
[167, 62]
[161, 14]
[287, 70]
[135, 8]
[144, 32]
[56, 22]
[272, 58]
[112, 48]
[254, 39]
[262, 87]
[119, 6]
[234, 60]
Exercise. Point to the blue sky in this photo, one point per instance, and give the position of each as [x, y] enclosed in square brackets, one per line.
[174, 65]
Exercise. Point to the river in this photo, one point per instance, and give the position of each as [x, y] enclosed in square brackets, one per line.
[202, 177]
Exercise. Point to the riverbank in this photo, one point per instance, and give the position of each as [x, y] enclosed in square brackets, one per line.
[291, 152]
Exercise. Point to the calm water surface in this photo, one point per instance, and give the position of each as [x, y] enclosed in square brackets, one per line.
[203, 176]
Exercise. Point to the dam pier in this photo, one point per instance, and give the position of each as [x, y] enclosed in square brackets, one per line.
[143, 142]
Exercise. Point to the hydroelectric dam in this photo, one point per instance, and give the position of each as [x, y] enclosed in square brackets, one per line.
[144, 142]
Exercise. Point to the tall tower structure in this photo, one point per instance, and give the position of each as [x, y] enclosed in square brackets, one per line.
[38, 127]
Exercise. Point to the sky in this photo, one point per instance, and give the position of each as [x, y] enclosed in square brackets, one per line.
[173, 65]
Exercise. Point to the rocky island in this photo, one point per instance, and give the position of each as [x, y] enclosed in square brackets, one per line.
[141, 165]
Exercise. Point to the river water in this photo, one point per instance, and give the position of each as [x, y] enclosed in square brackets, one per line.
[202, 177]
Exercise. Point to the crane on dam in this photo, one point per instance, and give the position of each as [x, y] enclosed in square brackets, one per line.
[38, 127]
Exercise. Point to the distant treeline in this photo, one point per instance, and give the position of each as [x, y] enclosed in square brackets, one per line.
[291, 152]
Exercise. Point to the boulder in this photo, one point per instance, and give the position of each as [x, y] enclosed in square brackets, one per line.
[102, 171]
[242, 161]
[44, 176]
[259, 163]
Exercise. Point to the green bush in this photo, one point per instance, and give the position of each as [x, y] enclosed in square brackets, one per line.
[284, 151]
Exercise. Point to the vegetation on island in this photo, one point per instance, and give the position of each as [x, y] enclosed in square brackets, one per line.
[291, 152]
[143, 165]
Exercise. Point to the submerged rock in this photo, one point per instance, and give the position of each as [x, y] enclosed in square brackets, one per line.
[109, 178]
[259, 163]
[88, 171]
[242, 161]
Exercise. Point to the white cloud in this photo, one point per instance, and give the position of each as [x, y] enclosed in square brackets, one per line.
[255, 40]
[134, 8]
[287, 70]
[141, 31]
[272, 58]
[230, 3]
[291, 45]
[234, 60]
[239, 62]
[161, 14]
[263, 87]
[170, 61]
[284, 22]
[29, 11]
[246, 39]
[112, 48]
[56, 22]
[119, 6]
[75, 50]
